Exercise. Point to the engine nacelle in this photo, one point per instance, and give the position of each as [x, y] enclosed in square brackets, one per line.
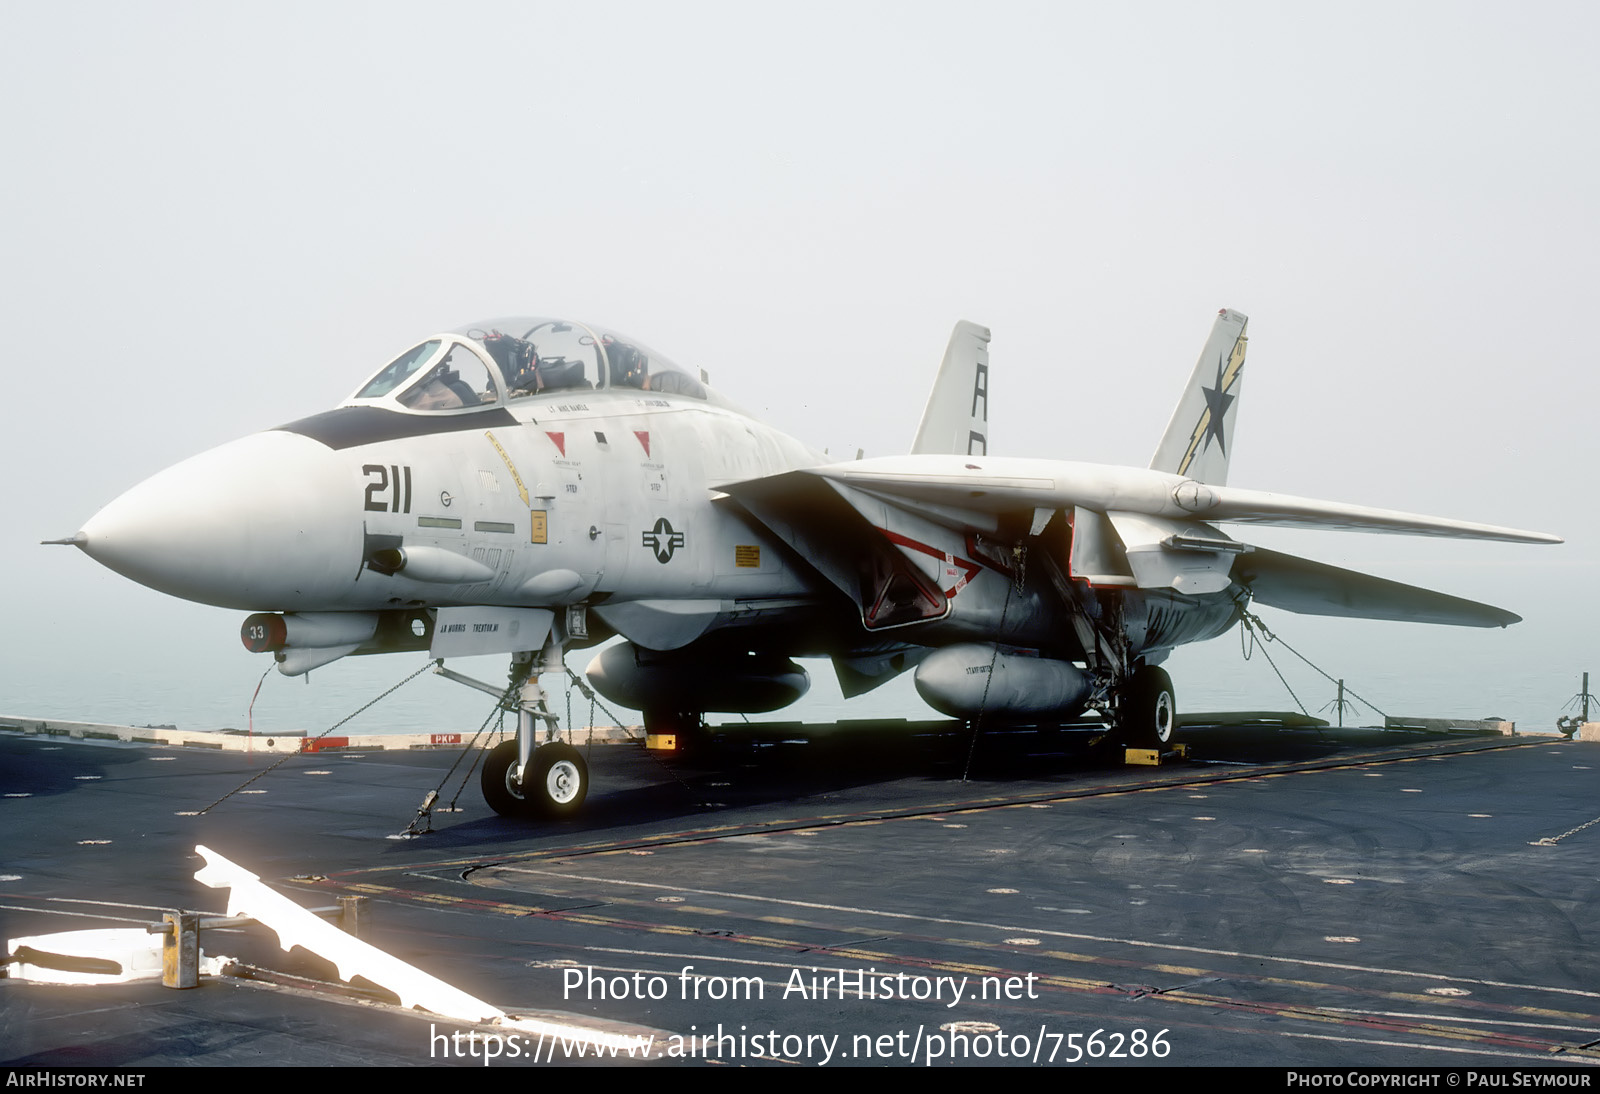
[971, 678]
[696, 679]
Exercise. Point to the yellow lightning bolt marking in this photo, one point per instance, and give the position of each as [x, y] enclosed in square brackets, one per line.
[1229, 375]
[511, 467]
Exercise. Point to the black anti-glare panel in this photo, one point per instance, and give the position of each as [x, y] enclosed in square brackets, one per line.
[354, 426]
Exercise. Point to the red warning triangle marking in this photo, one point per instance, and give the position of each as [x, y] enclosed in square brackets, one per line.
[644, 439]
[560, 441]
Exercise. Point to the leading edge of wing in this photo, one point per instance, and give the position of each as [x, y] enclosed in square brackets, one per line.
[1236, 506]
[998, 484]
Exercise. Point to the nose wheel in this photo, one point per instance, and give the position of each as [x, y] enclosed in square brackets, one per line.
[554, 786]
[561, 779]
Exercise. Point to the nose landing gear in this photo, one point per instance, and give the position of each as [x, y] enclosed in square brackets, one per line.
[523, 778]
[554, 785]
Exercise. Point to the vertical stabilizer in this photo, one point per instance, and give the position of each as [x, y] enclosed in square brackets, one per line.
[1199, 439]
[956, 419]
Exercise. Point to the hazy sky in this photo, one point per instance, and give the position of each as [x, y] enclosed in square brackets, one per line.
[217, 218]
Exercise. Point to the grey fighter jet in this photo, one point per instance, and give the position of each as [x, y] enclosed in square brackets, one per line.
[527, 486]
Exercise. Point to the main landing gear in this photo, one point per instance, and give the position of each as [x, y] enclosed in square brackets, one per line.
[1141, 714]
[1147, 709]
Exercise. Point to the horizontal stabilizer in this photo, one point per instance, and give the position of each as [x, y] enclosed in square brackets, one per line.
[1315, 588]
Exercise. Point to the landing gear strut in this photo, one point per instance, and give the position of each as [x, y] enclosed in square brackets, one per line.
[521, 777]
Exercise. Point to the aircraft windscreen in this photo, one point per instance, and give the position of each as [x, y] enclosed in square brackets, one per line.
[399, 370]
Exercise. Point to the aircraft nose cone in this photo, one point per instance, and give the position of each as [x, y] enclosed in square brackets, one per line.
[254, 524]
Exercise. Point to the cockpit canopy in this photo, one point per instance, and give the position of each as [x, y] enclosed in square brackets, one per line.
[501, 361]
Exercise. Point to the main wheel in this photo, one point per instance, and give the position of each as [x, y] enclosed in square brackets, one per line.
[559, 780]
[503, 793]
[1149, 711]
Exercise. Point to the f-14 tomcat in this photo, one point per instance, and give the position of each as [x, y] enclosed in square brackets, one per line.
[525, 486]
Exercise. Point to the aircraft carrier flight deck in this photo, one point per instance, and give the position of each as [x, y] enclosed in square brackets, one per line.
[1284, 897]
